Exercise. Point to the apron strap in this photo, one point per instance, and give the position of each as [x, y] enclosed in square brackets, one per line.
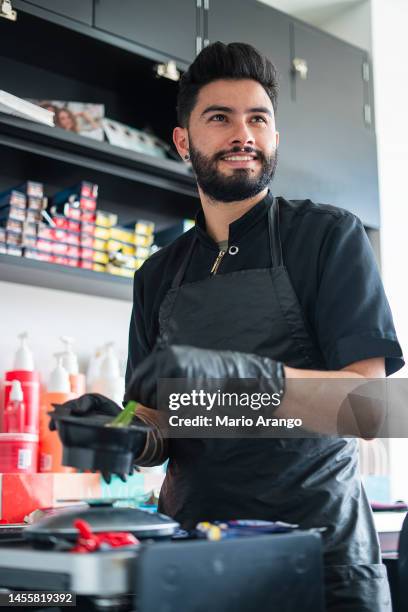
[177, 280]
[274, 235]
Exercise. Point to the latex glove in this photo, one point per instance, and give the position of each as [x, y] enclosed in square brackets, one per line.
[89, 405]
[198, 364]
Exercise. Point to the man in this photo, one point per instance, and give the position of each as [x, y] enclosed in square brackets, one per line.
[267, 289]
[223, 287]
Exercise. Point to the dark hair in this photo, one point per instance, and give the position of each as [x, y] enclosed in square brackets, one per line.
[220, 61]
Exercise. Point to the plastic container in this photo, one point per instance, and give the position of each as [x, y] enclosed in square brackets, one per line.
[70, 363]
[50, 446]
[23, 371]
[18, 453]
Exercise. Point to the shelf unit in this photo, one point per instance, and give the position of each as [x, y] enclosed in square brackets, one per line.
[24, 271]
[57, 144]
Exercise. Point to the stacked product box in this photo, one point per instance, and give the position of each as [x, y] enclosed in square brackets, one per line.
[21, 209]
[71, 231]
[128, 247]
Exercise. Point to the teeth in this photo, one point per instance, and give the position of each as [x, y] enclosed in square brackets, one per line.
[239, 158]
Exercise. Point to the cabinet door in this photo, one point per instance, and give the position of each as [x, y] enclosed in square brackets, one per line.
[80, 10]
[167, 27]
[254, 23]
[332, 149]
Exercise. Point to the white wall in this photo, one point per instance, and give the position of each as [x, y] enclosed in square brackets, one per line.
[47, 314]
[346, 19]
[390, 48]
[352, 24]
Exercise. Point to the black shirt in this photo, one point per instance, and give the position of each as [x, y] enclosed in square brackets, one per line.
[329, 261]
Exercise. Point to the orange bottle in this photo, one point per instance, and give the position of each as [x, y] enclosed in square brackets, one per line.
[50, 447]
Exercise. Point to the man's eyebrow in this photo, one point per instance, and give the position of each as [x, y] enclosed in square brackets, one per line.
[227, 109]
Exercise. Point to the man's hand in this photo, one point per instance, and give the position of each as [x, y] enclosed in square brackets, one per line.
[187, 362]
[88, 405]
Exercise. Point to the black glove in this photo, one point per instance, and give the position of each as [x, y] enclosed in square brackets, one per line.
[201, 365]
[89, 405]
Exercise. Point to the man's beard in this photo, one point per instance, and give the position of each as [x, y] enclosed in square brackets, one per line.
[241, 184]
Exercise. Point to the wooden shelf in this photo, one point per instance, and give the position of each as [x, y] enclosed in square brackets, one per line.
[55, 143]
[74, 280]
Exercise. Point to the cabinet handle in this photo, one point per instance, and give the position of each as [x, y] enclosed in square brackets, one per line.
[300, 67]
[7, 11]
[367, 114]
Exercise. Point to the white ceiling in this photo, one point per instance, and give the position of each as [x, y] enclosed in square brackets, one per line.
[314, 11]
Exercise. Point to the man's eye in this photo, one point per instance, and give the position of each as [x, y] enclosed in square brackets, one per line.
[259, 118]
[218, 117]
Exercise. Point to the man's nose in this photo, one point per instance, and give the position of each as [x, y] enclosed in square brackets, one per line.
[242, 134]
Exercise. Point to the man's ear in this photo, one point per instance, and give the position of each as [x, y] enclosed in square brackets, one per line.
[277, 139]
[180, 139]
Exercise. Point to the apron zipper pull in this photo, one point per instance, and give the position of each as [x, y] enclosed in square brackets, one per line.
[217, 262]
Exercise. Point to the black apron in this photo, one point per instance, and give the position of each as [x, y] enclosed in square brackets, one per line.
[313, 482]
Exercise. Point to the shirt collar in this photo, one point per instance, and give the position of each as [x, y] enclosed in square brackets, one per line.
[238, 228]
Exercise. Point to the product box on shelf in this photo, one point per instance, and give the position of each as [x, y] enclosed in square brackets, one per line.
[32, 189]
[62, 222]
[122, 233]
[14, 197]
[144, 227]
[88, 264]
[36, 203]
[84, 189]
[11, 211]
[106, 219]
[69, 210]
[14, 238]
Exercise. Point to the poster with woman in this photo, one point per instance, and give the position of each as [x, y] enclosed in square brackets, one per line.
[79, 117]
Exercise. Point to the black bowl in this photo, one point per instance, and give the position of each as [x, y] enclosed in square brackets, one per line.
[88, 444]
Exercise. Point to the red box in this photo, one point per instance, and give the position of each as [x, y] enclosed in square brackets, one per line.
[60, 221]
[73, 250]
[88, 203]
[73, 226]
[72, 262]
[44, 245]
[88, 216]
[44, 231]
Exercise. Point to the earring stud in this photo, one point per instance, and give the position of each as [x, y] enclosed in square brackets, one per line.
[187, 157]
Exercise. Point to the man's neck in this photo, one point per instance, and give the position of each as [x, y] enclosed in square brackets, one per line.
[219, 215]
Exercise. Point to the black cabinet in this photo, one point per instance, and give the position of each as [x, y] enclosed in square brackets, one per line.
[330, 148]
[256, 24]
[80, 10]
[166, 27]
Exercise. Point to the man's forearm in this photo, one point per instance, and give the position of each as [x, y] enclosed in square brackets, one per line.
[334, 402]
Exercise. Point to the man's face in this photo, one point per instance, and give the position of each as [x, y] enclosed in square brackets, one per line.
[231, 139]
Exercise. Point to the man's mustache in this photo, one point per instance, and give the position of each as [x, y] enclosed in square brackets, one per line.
[237, 149]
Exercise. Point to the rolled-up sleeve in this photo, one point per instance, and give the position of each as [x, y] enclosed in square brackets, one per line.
[353, 319]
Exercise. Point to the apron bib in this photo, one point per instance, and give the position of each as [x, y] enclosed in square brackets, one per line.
[313, 482]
